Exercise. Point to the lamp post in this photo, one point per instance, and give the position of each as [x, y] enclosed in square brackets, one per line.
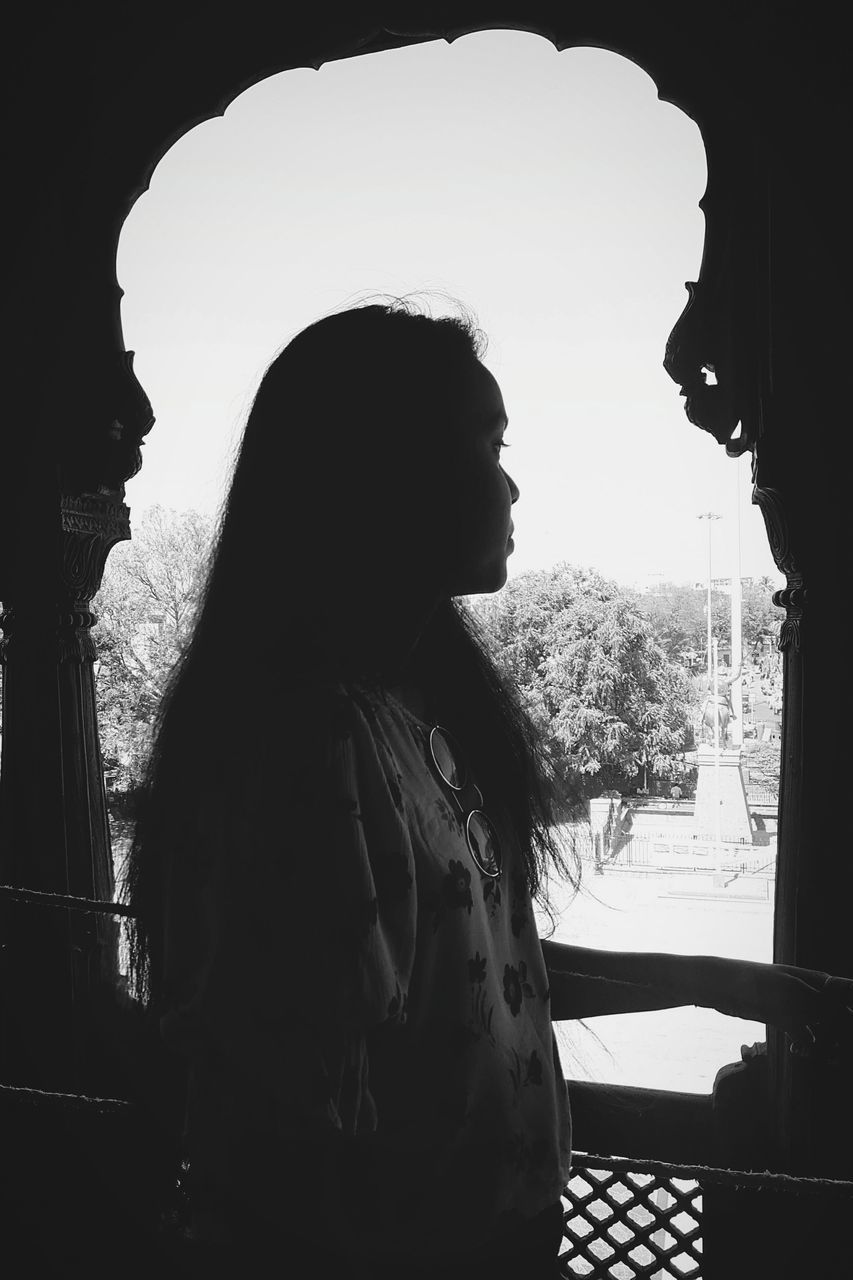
[718, 835]
[710, 516]
[737, 630]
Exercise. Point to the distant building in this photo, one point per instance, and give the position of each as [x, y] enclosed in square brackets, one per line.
[725, 584]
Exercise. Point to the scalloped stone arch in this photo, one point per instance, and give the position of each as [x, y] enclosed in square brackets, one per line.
[719, 328]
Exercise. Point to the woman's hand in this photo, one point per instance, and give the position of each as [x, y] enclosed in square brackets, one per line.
[813, 1008]
[830, 1033]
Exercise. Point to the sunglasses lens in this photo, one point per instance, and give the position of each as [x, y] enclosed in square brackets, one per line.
[483, 842]
[482, 837]
[445, 760]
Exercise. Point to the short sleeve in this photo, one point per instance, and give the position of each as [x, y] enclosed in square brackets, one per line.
[291, 921]
[340, 937]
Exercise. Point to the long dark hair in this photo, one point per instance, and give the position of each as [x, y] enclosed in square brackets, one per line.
[340, 403]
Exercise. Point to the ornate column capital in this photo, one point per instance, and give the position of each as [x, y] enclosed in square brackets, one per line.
[90, 525]
[57, 624]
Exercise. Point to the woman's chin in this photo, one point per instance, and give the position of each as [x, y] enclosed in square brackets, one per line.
[483, 583]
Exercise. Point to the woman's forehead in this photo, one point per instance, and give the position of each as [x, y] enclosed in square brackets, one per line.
[482, 398]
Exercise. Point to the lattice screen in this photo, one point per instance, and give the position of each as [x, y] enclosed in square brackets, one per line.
[628, 1225]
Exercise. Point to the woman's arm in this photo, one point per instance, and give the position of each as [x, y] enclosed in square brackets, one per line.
[586, 983]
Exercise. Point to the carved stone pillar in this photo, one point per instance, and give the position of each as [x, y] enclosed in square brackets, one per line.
[813, 878]
[762, 392]
[55, 835]
[57, 965]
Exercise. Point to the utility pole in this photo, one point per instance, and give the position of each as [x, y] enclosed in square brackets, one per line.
[710, 516]
[718, 833]
[737, 632]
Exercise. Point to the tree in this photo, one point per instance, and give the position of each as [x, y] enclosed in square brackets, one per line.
[761, 765]
[678, 615]
[608, 699]
[145, 611]
[761, 617]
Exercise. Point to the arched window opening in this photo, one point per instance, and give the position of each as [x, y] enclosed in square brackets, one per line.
[556, 195]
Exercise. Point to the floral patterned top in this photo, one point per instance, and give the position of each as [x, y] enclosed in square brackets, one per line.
[365, 1015]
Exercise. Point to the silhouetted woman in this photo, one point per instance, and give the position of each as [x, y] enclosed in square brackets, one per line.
[346, 821]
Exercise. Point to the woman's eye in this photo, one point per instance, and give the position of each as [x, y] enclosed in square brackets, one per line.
[501, 444]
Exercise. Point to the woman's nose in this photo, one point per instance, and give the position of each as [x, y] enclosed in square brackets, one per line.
[513, 487]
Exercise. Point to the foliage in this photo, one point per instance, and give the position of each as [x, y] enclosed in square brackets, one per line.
[761, 617]
[678, 615]
[595, 679]
[599, 667]
[761, 765]
[678, 618]
[145, 610]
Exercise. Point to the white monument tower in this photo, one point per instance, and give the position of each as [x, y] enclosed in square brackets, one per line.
[721, 811]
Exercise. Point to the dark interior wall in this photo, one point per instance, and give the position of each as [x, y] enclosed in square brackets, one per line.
[97, 93]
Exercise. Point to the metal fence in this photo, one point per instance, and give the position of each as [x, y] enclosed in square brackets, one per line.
[684, 852]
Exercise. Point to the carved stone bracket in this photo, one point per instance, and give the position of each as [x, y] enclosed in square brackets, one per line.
[697, 360]
[133, 420]
[718, 351]
[103, 458]
[793, 600]
[793, 597]
[770, 503]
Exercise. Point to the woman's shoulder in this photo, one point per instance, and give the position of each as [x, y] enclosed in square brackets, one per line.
[293, 713]
[312, 731]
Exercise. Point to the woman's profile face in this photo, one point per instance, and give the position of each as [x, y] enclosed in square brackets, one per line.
[475, 510]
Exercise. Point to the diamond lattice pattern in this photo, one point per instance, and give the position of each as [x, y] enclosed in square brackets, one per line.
[630, 1226]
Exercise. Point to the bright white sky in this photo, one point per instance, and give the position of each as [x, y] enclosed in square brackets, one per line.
[551, 192]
